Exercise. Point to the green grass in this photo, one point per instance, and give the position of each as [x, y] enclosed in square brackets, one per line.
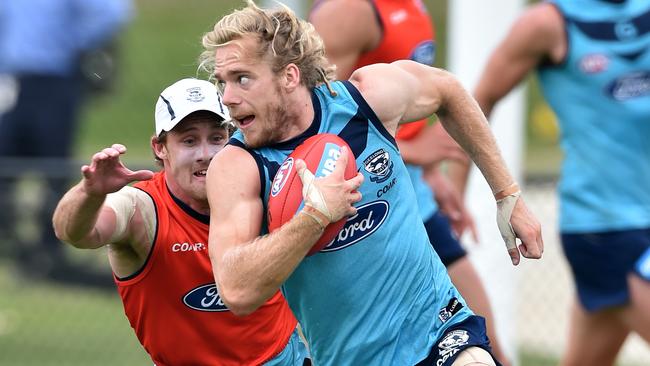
[47, 324]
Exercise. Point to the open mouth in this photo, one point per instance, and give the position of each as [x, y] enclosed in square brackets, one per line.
[201, 173]
[245, 121]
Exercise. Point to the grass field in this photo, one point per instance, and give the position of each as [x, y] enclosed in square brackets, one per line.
[49, 325]
[46, 324]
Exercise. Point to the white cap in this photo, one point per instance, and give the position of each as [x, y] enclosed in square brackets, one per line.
[184, 97]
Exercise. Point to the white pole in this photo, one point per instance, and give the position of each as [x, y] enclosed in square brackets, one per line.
[475, 28]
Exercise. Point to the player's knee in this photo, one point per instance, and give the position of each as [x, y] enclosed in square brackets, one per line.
[474, 356]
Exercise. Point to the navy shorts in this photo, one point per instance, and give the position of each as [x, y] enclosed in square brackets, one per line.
[471, 332]
[443, 239]
[601, 262]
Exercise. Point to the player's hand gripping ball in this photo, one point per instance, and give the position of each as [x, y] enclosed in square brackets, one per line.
[320, 153]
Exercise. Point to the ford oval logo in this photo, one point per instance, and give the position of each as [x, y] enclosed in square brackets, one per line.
[630, 86]
[424, 53]
[281, 177]
[368, 219]
[205, 298]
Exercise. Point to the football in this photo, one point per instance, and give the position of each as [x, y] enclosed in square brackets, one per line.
[285, 199]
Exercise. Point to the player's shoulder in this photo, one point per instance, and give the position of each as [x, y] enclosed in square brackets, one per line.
[543, 18]
[233, 161]
[539, 30]
[233, 157]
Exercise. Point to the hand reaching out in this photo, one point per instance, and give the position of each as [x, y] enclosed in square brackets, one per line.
[106, 173]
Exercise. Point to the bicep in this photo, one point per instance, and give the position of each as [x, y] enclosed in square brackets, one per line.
[401, 92]
[236, 208]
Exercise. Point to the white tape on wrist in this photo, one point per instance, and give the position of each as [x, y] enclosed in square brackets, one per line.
[312, 195]
[504, 212]
[316, 215]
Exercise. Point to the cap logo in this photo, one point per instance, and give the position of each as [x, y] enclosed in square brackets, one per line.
[194, 94]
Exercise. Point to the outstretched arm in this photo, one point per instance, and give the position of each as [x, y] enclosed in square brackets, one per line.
[81, 218]
[405, 91]
[249, 269]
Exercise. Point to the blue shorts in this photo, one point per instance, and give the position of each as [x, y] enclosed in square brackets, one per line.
[443, 239]
[601, 262]
[471, 332]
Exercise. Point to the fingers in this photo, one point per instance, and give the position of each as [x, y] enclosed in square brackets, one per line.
[355, 182]
[531, 247]
[119, 147]
[341, 162]
[108, 153]
[355, 197]
[514, 256]
[506, 221]
[306, 176]
[141, 175]
[529, 231]
[473, 231]
[86, 171]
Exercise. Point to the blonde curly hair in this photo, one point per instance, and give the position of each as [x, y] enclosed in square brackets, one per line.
[283, 39]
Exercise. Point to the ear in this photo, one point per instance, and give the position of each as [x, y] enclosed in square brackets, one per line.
[291, 77]
[159, 149]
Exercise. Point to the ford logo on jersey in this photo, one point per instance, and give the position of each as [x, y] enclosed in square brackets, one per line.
[634, 85]
[205, 298]
[424, 53]
[368, 219]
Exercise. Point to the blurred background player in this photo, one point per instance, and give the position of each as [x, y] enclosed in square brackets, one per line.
[44, 47]
[157, 233]
[383, 31]
[592, 58]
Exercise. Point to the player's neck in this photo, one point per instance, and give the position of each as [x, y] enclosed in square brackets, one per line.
[302, 112]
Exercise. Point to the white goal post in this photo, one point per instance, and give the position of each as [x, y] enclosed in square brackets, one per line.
[474, 29]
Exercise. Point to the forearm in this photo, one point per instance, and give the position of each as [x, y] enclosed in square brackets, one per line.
[249, 274]
[465, 122]
[76, 215]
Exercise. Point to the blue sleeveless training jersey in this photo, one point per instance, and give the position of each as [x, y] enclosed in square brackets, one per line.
[378, 294]
[423, 192]
[601, 96]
